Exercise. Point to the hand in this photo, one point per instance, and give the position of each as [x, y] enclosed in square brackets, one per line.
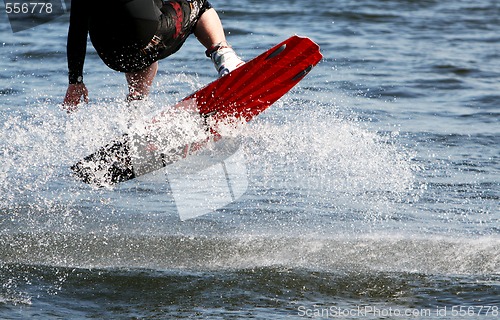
[74, 95]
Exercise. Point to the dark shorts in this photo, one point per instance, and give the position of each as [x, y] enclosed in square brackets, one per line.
[177, 20]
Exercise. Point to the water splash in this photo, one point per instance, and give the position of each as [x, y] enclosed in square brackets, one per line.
[306, 160]
[331, 159]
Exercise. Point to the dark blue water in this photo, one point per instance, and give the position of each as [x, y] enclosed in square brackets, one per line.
[374, 185]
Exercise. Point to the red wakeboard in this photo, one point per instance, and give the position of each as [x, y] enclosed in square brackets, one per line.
[241, 94]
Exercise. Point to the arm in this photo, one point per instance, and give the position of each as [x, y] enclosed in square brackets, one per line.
[76, 50]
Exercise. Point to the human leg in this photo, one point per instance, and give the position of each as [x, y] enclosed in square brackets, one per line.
[140, 82]
[209, 29]
[210, 33]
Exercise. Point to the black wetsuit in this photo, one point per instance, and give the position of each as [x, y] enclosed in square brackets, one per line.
[129, 35]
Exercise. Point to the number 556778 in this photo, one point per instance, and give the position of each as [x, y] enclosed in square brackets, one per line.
[25, 8]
